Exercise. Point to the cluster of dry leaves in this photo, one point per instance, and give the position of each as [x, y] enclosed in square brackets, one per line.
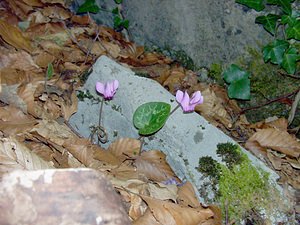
[35, 110]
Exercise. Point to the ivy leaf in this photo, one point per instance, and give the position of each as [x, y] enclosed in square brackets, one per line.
[293, 31]
[285, 4]
[274, 51]
[239, 82]
[88, 6]
[253, 4]
[286, 19]
[289, 60]
[118, 1]
[269, 22]
[115, 11]
[151, 116]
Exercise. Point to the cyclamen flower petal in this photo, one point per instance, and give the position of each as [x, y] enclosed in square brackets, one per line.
[108, 90]
[188, 104]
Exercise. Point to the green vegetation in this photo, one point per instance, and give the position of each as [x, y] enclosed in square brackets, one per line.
[240, 187]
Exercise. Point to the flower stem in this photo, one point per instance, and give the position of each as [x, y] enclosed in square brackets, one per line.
[174, 109]
[100, 112]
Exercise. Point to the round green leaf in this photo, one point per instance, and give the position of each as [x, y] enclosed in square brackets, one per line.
[290, 58]
[150, 117]
[240, 89]
[274, 51]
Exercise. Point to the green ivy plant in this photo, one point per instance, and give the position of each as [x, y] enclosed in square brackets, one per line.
[90, 6]
[284, 27]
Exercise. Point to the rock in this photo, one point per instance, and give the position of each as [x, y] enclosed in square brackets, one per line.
[60, 196]
[184, 138]
[208, 31]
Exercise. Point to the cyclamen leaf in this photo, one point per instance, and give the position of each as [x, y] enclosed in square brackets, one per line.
[274, 51]
[151, 116]
[253, 4]
[289, 60]
[269, 22]
[88, 6]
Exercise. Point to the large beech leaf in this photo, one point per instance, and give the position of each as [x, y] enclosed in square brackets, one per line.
[154, 166]
[253, 4]
[289, 60]
[151, 116]
[274, 51]
[276, 139]
[88, 6]
[268, 21]
[239, 83]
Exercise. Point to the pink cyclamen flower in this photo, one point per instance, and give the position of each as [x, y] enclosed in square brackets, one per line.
[188, 104]
[108, 90]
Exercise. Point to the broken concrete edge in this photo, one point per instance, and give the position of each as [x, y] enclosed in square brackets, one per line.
[184, 138]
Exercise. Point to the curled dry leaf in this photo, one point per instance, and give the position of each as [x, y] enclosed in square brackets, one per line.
[13, 36]
[125, 148]
[146, 219]
[173, 82]
[162, 191]
[14, 121]
[169, 213]
[154, 166]
[278, 140]
[56, 12]
[187, 195]
[15, 155]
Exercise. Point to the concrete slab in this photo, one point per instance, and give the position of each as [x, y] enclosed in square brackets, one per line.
[184, 138]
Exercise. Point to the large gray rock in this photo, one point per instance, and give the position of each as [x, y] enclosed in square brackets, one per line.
[184, 138]
[208, 31]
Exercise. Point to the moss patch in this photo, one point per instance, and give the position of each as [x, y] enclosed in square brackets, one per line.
[240, 188]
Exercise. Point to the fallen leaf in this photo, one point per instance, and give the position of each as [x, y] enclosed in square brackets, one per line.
[13, 36]
[169, 213]
[187, 196]
[15, 155]
[125, 148]
[14, 121]
[278, 140]
[153, 164]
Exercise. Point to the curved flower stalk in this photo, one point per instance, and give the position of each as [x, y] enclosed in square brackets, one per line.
[107, 90]
[188, 104]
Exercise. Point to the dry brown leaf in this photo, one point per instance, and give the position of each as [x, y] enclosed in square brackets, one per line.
[81, 19]
[36, 3]
[174, 80]
[111, 48]
[146, 219]
[61, 2]
[169, 213]
[56, 12]
[276, 162]
[187, 196]
[278, 140]
[42, 59]
[15, 155]
[14, 37]
[20, 8]
[18, 60]
[125, 148]
[162, 191]
[14, 121]
[154, 166]
[280, 124]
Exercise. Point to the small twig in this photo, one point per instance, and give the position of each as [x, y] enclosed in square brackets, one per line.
[294, 108]
[268, 102]
[296, 76]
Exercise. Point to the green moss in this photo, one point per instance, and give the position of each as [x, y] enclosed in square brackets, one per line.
[215, 72]
[230, 154]
[241, 187]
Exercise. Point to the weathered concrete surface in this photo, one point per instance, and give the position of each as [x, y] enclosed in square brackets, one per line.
[59, 196]
[208, 31]
[184, 138]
